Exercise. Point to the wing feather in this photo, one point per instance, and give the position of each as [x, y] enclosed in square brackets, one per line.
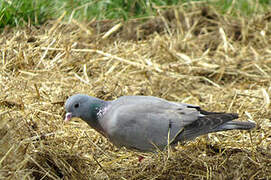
[143, 124]
[146, 122]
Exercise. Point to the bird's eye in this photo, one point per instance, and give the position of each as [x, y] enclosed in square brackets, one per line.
[76, 105]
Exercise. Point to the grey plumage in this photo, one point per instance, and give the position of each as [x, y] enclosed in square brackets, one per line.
[146, 122]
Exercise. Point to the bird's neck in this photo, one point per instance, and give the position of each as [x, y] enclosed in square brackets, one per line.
[97, 111]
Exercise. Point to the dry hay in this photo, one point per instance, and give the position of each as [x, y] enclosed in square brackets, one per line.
[195, 56]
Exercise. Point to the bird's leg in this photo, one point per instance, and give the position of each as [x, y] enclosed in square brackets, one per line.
[140, 158]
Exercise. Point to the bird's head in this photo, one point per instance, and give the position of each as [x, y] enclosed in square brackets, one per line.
[84, 107]
[77, 106]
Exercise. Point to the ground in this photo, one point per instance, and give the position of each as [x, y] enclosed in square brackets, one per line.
[197, 56]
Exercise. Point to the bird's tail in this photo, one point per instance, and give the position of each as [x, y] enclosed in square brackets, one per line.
[230, 125]
[213, 122]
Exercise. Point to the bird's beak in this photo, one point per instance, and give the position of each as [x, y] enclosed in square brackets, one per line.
[68, 117]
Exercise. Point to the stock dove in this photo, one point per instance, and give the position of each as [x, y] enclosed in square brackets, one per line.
[146, 123]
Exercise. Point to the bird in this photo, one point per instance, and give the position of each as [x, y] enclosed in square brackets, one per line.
[148, 123]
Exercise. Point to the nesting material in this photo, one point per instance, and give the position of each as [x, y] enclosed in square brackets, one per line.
[195, 56]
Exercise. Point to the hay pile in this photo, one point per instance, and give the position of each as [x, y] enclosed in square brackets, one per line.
[195, 56]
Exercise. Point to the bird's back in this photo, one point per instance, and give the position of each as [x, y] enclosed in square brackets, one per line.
[147, 123]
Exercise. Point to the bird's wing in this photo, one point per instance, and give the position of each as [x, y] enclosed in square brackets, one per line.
[145, 122]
